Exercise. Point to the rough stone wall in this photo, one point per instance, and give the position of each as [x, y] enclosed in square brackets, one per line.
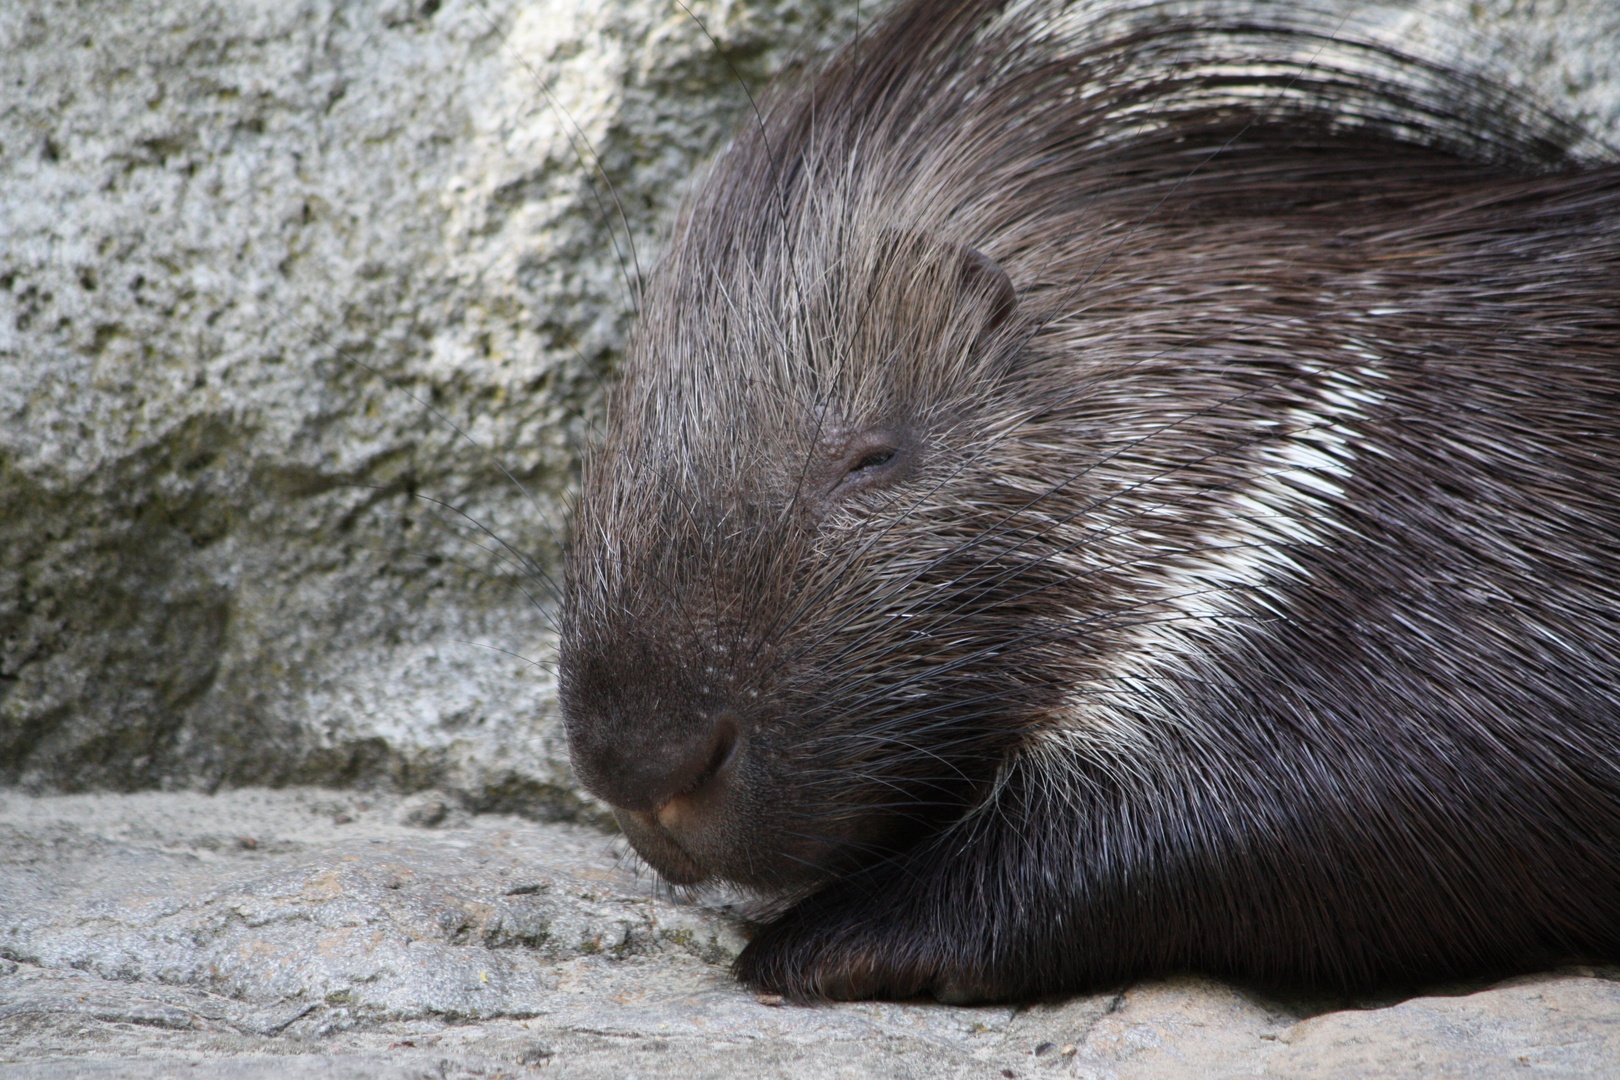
[304, 307]
[262, 264]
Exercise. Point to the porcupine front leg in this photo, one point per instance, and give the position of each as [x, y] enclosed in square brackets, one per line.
[1004, 906]
[1063, 888]
[875, 938]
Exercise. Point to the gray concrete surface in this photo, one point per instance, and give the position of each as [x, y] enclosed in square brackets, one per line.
[315, 933]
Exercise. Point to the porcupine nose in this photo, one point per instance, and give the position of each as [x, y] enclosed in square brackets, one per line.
[648, 773]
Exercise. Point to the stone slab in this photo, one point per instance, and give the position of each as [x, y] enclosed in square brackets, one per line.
[308, 932]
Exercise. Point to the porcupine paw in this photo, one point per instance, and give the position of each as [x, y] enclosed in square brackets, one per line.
[806, 966]
[806, 973]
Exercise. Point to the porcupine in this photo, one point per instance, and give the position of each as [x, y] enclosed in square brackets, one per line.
[1101, 490]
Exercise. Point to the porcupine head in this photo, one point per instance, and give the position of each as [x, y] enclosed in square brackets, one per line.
[812, 583]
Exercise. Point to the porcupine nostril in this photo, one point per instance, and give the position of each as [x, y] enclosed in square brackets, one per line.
[722, 749]
[645, 775]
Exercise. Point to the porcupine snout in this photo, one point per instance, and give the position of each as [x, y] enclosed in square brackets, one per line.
[667, 753]
[648, 769]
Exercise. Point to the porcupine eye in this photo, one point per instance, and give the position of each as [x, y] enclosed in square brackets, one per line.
[870, 462]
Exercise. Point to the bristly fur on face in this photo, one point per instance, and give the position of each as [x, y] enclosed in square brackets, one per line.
[1102, 489]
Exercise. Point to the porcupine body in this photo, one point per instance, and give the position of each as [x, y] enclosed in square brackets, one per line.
[1104, 490]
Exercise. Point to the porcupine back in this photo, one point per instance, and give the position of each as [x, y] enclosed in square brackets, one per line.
[1102, 489]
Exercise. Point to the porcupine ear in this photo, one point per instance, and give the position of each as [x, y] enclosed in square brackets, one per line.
[982, 281]
[946, 299]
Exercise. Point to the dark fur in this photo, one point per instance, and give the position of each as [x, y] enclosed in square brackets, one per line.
[1076, 509]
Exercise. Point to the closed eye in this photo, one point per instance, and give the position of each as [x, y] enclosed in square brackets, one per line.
[869, 459]
[872, 460]
[874, 463]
